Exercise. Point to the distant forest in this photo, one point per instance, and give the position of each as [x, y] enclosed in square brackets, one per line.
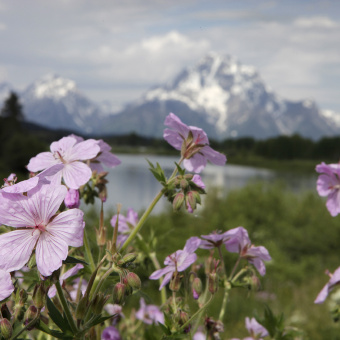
[21, 140]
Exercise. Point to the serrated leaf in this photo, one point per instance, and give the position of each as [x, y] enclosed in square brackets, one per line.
[74, 260]
[180, 170]
[56, 316]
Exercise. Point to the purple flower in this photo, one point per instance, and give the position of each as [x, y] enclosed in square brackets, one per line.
[125, 225]
[196, 150]
[178, 261]
[73, 271]
[39, 228]
[149, 314]
[215, 239]
[72, 199]
[115, 310]
[239, 242]
[111, 333]
[6, 285]
[199, 336]
[328, 184]
[256, 330]
[70, 154]
[198, 181]
[333, 281]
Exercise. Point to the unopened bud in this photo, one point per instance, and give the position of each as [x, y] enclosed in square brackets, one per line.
[32, 262]
[190, 200]
[98, 303]
[178, 201]
[133, 280]
[175, 283]
[213, 282]
[30, 315]
[101, 236]
[183, 183]
[197, 196]
[196, 288]
[72, 199]
[82, 307]
[6, 329]
[183, 317]
[128, 258]
[39, 296]
[118, 293]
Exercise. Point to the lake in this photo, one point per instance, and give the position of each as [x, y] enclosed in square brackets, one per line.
[133, 185]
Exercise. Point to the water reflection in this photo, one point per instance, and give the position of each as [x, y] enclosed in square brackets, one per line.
[133, 185]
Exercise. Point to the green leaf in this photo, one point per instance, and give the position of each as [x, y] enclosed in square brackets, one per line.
[180, 170]
[56, 334]
[158, 172]
[165, 329]
[56, 316]
[73, 260]
[96, 320]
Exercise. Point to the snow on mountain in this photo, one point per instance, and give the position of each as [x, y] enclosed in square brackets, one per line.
[56, 102]
[332, 117]
[228, 99]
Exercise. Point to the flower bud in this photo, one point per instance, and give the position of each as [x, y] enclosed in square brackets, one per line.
[175, 283]
[6, 329]
[196, 288]
[72, 199]
[178, 201]
[82, 307]
[190, 200]
[128, 258]
[101, 236]
[183, 183]
[22, 297]
[213, 282]
[118, 293]
[32, 262]
[133, 280]
[39, 296]
[30, 315]
[98, 303]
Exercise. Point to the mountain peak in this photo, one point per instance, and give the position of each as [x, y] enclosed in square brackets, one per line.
[53, 86]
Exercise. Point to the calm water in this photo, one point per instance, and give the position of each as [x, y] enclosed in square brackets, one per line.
[133, 185]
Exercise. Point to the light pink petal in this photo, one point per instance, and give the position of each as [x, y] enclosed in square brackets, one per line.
[73, 271]
[77, 138]
[42, 161]
[76, 174]
[6, 285]
[199, 136]
[173, 138]
[173, 122]
[51, 250]
[108, 159]
[192, 244]
[22, 186]
[325, 184]
[335, 277]
[166, 279]
[16, 248]
[213, 156]
[103, 146]
[84, 150]
[52, 291]
[160, 272]
[259, 265]
[196, 163]
[63, 146]
[322, 295]
[68, 226]
[333, 203]
[14, 211]
[186, 262]
[198, 181]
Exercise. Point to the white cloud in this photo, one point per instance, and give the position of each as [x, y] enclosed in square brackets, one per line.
[315, 22]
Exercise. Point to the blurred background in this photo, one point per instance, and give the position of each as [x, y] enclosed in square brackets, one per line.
[260, 77]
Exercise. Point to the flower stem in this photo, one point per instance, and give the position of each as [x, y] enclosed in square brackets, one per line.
[29, 325]
[224, 304]
[88, 251]
[234, 269]
[157, 266]
[66, 307]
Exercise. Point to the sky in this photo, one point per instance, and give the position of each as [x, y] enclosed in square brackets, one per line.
[115, 50]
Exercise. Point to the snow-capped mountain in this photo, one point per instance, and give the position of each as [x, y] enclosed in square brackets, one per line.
[55, 102]
[227, 99]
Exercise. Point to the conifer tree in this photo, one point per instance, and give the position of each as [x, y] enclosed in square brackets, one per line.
[12, 108]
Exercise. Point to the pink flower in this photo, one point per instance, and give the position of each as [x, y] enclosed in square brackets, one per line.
[239, 242]
[104, 156]
[214, 239]
[333, 281]
[72, 199]
[39, 228]
[149, 314]
[178, 261]
[256, 330]
[111, 333]
[73, 271]
[70, 154]
[125, 225]
[196, 149]
[6, 285]
[328, 184]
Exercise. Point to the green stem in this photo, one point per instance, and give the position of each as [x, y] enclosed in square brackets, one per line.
[66, 307]
[222, 260]
[224, 305]
[157, 266]
[29, 325]
[233, 271]
[148, 212]
[88, 251]
[198, 313]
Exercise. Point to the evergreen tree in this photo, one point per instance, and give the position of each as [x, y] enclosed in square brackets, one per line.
[12, 108]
